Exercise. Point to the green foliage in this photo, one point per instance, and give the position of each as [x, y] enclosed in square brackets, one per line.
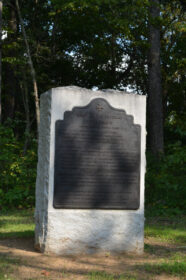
[18, 171]
[166, 176]
[166, 181]
[92, 43]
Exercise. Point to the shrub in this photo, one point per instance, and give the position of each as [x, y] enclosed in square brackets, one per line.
[166, 181]
[18, 171]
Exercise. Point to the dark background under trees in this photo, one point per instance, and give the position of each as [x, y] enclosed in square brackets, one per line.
[136, 45]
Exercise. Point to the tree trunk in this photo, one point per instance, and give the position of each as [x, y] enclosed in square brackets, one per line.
[10, 78]
[31, 67]
[1, 10]
[24, 88]
[155, 106]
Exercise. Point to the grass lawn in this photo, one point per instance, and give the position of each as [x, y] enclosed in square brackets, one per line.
[17, 224]
[164, 256]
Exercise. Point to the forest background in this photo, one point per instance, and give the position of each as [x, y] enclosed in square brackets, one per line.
[133, 45]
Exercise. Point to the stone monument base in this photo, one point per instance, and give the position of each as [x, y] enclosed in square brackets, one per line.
[84, 231]
[93, 231]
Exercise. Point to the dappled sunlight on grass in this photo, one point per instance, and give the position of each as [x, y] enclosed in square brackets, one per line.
[164, 257]
[101, 275]
[170, 229]
[17, 224]
[177, 268]
[174, 265]
[166, 234]
[7, 266]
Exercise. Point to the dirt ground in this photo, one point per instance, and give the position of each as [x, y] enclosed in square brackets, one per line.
[26, 263]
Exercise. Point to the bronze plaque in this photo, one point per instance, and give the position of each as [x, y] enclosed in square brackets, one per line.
[97, 158]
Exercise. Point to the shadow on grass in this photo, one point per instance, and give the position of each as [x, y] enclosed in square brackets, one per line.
[101, 275]
[134, 272]
[165, 251]
[17, 231]
[8, 268]
[20, 243]
[17, 224]
[6, 259]
[17, 234]
[163, 231]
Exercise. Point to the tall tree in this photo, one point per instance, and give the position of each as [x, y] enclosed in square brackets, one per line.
[1, 9]
[33, 74]
[96, 43]
[10, 67]
[173, 63]
[155, 107]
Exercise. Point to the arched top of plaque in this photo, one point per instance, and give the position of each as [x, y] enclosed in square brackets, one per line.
[97, 158]
[100, 107]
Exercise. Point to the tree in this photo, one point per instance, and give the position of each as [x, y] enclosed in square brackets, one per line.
[155, 106]
[95, 43]
[173, 61]
[32, 70]
[1, 10]
[10, 66]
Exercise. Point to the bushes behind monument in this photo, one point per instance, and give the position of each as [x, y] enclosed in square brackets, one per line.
[166, 182]
[166, 177]
[17, 171]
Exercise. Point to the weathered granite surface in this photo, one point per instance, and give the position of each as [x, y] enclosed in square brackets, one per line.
[75, 231]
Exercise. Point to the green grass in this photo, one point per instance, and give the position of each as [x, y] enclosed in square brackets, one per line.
[172, 230]
[171, 268]
[166, 234]
[14, 224]
[7, 266]
[17, 224]
[101, 275]
[174, 265]
[168, 260]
